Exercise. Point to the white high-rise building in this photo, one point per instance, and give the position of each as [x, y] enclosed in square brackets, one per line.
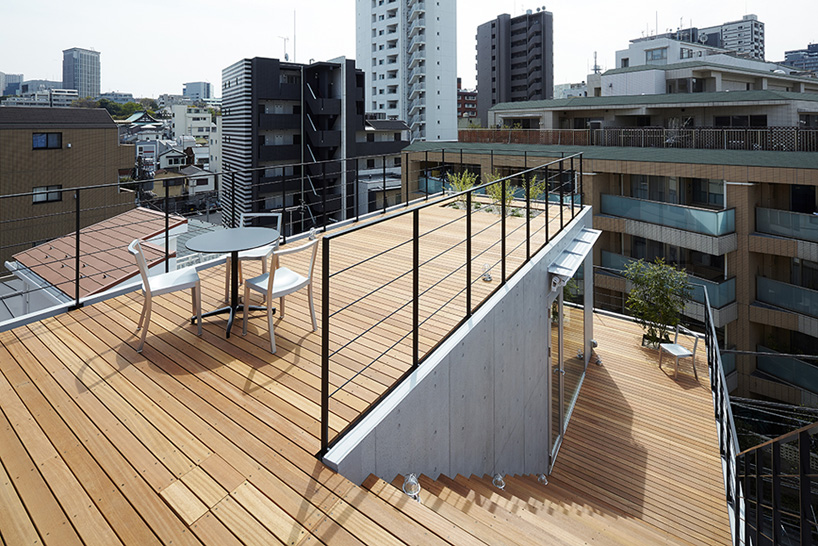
[408, 52]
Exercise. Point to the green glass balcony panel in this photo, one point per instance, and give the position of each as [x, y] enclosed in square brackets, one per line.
[720, 293]
[728, 363]
[787, 296]
[791, 370]
[784, 223]
[708, 222]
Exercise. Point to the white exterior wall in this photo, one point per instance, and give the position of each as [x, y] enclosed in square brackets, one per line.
[190, 121]
[407, 50]
[649, 82]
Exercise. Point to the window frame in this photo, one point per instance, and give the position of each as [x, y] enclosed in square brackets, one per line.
[48, 144]
[46, 194]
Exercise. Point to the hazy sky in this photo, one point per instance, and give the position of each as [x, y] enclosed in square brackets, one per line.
[152, 47]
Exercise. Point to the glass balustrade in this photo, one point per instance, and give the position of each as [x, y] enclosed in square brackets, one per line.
[787, 296]
[787, 224]
[707, 222]
[720, 293]
[793, 371]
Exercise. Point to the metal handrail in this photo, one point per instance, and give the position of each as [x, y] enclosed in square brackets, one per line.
[565, 165]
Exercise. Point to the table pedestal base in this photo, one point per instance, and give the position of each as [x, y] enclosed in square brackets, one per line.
[233, 312]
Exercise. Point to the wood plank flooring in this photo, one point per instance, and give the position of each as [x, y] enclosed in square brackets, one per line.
[208, 440]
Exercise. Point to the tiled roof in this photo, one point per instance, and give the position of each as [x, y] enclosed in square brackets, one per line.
[104, 257]
[86, 118]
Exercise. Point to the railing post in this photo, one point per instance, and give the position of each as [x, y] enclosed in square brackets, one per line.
[77, 264]
[805, 483]
[357, 206]
[502, 233]
[527, 180]
[581, 198]
[167, 232]
[324, 194]
[759, 494]
[737, 500]
[415, 287]
[426, 175]
[573, 186]
[547, 202]
[442, 167]
[776, 491]
[468, 254]
[492, 161]
[562, 194]
[324, 344]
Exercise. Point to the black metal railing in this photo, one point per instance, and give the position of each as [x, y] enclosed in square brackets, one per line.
[778, 483]
[728, 438]
[393, 303]
[784, 139]
[317, 194]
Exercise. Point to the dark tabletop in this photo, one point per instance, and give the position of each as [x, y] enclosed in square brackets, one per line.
[232, 240]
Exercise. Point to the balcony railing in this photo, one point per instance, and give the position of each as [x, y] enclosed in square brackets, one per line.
[787, 296]
[707, 222]
[725, 425]
[784, 223]
[788, 369]
[720, 293]
[782, 139]
[399, 305]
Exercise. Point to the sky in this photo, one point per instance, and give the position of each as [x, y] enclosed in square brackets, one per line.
[155, 46]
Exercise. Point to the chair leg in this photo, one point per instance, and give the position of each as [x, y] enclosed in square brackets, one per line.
[196, 293]
[696, 375]
[661, 353]
[147, 312]
[280, 307]
[142, 314]
[312, 307]
[272, 329]
[246, 307]
[676, 371]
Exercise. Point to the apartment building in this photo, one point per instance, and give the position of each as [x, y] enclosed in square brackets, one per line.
[197, 91]
[10, 83]
[407, 50]
[81, 71]
[744, 37]
[287, 132]
[466, 105]
[803, 59]
[45, 151]
[515, 60]
[47, 98]
[191, 121]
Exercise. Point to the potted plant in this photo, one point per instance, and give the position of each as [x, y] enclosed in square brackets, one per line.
[658, 294]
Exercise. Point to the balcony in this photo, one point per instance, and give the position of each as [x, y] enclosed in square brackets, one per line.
[703, 221]
[787, 296]
[416, 42]
[271, 122]
[417, 73]
[783, 223]
[417, 25]
[282, 152]
[789, 370]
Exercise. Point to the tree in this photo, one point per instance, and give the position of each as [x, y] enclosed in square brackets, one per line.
[461, 182]
[495, 191]
[657, 296]
[86, 102]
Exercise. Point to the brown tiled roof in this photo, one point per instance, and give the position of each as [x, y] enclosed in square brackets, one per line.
[32, 118]
[104, 257]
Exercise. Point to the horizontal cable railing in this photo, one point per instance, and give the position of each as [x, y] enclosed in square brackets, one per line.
[71, 253]
[784, 139]
[389, 301]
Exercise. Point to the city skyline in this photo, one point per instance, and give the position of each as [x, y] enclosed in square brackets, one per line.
[159, 59]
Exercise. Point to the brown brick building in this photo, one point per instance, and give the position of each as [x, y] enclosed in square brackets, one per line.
[44, 154]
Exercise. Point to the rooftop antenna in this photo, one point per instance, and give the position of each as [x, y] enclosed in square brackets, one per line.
[286, 39]
[597, 70]
[293, 36]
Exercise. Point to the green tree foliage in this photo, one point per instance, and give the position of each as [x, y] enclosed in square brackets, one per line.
[86, 102]
[657, 297]
[495, 191]
[461, 182]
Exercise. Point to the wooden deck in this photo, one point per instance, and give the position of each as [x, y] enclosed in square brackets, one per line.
[212, 440]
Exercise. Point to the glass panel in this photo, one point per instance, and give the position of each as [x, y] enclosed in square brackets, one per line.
[787, 224]
[556, 378]
[574, 339]
[793, 371]
[790, 531]
[708, 222]
[795, 298]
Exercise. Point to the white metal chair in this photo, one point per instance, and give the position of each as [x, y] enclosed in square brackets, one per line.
[679, 351]
[262, 253]
[279, 282]
[156, 285]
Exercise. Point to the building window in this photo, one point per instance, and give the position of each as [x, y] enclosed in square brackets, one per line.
[47, 194]
[370, 163]
[656, 55]
[46, 141]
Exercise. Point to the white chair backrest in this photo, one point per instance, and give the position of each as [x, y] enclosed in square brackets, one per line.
[247, 217]
[312, 244]
[686, 331]
[135, 248]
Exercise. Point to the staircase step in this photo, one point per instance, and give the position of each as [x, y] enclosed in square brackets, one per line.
[422, 514]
